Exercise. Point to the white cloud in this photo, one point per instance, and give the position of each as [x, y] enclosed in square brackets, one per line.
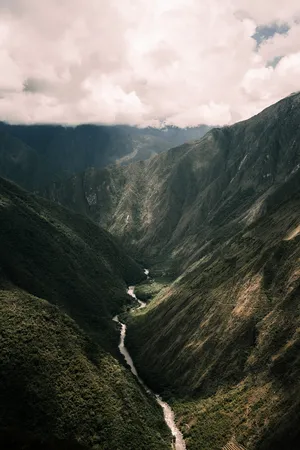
[269, 11]
[185, 62]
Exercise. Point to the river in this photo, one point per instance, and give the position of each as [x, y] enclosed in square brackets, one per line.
[179, 443]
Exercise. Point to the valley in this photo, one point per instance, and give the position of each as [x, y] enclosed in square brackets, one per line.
[149, 225]
[63, 384]
[219, 217]
[179, 443]
[216, 334]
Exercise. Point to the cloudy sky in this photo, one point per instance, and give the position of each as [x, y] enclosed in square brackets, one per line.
[181, 62]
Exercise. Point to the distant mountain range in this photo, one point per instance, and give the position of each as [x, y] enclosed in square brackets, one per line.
[35, 155]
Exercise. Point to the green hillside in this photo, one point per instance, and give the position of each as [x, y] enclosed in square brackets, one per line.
[61, 281]
[226, 343]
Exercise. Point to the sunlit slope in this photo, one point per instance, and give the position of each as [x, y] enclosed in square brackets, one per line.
[226, 340]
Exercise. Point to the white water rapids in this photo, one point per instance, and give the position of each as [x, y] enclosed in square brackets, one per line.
[179, 443]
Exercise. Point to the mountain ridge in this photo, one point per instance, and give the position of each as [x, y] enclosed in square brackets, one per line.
[36, 155]
[154, 205]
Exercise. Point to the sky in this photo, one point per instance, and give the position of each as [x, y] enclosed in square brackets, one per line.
[146, 62]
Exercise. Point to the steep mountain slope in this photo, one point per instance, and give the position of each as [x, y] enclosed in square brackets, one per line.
[39, 154]
[227, 331]
[61, 281]
[174, 204]
[222, 340]
[226, 342]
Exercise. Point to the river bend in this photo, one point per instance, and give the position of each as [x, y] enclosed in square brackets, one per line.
[178, 441]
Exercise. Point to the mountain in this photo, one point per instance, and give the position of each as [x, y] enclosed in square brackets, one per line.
[226, 343]
[35, 155]
[221, 216]
[62, 279]
[174, 204]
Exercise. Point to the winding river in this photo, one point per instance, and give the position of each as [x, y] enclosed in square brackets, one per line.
[178, 441]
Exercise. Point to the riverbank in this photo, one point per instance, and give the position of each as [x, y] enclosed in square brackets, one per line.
[178, 441]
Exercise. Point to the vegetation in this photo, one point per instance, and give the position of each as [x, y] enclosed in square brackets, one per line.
[148, 289]
[61, 281]
[220, 338]
[226, 340]
[169, 209]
